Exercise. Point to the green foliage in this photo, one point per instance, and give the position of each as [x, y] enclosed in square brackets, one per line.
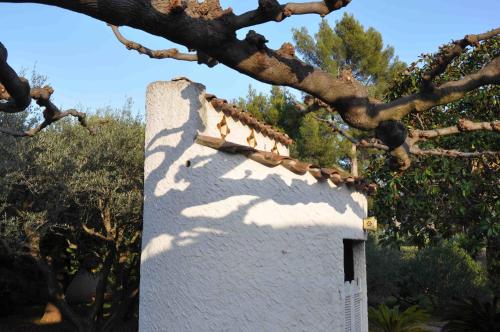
[346, 46]
[65, 178]
[349, 45]
[314, 141]
[384, 319]
[472, 315]
[430, 277]
[445, 198]
[384, 272]
[441, 273]
[276, 109]
[318, 144]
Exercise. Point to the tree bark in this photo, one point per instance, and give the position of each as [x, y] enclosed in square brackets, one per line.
[493, 262]
[52, 314]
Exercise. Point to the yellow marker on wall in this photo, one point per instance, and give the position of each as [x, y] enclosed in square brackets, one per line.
[370, 224]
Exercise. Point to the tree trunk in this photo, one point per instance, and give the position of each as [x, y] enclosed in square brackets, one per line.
[493, 262]
[52, 315]
[354, 160]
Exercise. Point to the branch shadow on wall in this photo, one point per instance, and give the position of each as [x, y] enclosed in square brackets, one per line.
[226, 242]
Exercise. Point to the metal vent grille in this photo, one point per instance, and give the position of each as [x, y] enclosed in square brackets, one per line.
[357, 313]
[352, 307]
[347, 314]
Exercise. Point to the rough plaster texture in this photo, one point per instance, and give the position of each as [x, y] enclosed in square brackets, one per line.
[239, 132]
[230, 244]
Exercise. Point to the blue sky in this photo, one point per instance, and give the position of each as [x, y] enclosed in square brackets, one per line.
[87, 66]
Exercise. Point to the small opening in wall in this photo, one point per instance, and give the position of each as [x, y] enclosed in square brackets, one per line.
[348, 260]
[188, 163]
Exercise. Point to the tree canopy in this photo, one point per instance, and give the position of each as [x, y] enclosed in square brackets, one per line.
[348, 46]
[72, 202]
[210, 32]
[442, 110]
[440, 198]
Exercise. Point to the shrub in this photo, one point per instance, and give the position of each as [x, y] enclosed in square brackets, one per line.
[472, 315]
[383, 266]
[384, 319]
[442, 273]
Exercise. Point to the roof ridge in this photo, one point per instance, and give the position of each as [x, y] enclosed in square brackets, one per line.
[222, 105]
[336, 175]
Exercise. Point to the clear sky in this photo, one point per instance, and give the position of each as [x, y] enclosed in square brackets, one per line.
[87, 66]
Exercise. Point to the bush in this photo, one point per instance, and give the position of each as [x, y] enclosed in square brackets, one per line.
[430, 277]
[384, 319]
[442, 273]
[472, 315]
[383, 266]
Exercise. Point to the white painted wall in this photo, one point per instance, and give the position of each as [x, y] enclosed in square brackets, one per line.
[230, 244]
[238, 131]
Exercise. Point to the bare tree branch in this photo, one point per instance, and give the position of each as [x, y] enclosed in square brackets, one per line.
[372, 143]
[400, 155]
[51, 114]
[444, 94]
[450, 52]
[16, 93]
[271, 10]
[210, 30]
[171, 53]
[401, 159]
[462, 126]
[94, 233]
[335, 128]
[312, 104]
[451, 153]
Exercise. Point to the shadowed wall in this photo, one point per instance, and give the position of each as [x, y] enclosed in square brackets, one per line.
[230, 244]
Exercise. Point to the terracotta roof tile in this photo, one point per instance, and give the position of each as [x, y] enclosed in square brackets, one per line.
[221, 105]
[336, 175]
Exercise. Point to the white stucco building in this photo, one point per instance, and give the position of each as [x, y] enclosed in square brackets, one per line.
[237, 235]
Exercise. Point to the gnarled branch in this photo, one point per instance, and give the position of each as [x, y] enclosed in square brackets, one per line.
[16, 93]
[400, 155]
[51, 114]
[271, 10]
[450, 52]
[171, 53]
[444, 94]
[17, 88]
[211, 31]
[462, 126]
[451, 153]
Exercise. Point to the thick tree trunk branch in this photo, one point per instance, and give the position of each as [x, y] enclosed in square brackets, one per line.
[57, 295]
[271, 10]
[450, 52]
[444, 94]
[17, 88]
[211, 31]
